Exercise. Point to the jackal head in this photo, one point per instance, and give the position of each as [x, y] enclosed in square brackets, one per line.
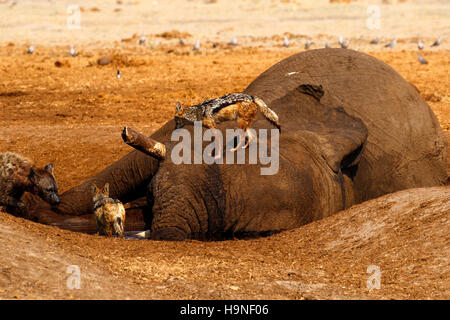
[44, 184]
[99, 194]
[180, 121]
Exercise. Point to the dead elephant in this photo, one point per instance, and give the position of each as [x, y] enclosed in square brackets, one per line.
[352, 129]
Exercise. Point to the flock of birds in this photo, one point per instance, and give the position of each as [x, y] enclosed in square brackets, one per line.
[343, 43]
[286, 43]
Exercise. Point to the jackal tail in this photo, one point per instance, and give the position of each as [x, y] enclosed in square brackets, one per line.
[267, 112]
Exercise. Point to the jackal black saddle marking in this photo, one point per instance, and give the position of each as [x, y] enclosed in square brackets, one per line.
[215, 105]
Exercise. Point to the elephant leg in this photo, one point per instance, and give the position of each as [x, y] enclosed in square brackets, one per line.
[12, 202]
[15, 207]
[147, 212]
[16, 210]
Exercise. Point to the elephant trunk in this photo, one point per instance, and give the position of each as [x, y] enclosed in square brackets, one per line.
[128, 177]
[127, 180]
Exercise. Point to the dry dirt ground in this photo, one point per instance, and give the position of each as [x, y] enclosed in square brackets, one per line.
[404, 234]
[70, 111]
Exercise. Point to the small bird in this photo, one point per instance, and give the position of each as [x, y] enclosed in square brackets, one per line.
[344, 44]
[142, 39]
[197, 45]
[420, 44]
[392, 43]
[31, 49]
[72, 51]
[356, 49]
[327, 45]
[181, 42]
[375, 41]
[233, 42]
[437, 42]
[307, 44]
[421, 59]
[341, 40]
[118, 75]
[286, 42]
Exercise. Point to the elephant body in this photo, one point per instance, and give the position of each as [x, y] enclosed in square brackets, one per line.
[352, 129]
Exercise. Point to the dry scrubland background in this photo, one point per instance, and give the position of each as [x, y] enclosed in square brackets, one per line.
[70, 111]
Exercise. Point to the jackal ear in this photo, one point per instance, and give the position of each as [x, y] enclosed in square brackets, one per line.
[178, 108]
[49, 168]
[105, 189]
[94, 189]
[32, 173]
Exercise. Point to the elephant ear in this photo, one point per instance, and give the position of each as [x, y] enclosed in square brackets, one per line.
[343, 139]
[331, 132]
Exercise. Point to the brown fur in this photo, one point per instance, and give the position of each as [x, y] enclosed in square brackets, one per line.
[109, 213]
[18, 175]
[244, 112]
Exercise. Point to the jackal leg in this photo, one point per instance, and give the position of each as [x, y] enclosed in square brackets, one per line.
[244, 123]
[241, 141]
[218, 142]
[218, 146]
[250, 136]
[217, 139]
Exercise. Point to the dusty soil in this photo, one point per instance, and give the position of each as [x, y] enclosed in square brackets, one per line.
[405, 234]
[70, 111]
[253, 22]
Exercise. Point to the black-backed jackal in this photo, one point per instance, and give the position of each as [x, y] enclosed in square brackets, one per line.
[234, 106]
[109, 213]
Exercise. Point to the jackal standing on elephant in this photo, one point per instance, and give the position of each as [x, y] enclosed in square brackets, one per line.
[234, 106]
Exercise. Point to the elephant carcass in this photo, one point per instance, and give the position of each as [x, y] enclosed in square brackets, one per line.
[352, 129]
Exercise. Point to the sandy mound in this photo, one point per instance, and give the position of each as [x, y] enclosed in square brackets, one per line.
[405, 234]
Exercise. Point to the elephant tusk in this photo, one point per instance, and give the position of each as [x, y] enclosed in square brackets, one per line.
[137, 234]
[143, 143]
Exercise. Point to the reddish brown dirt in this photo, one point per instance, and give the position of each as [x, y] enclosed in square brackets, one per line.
[405, 234]
[72, 115]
